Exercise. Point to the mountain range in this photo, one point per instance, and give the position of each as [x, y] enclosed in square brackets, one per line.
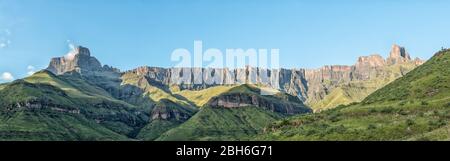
[76, 98]
[413, 107]
[321, 88]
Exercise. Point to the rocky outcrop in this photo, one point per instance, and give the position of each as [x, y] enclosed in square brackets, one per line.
[155, 73]
[397, 55]
[239, 100]
[168, 110]
[43, 105]
[370, 61]
[418, 61]
[200, 78]
[79, 60]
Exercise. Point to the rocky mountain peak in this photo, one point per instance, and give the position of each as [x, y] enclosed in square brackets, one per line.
[398, 54]
[418, 61]
[82, 50]
[79, 50]
[370, 61]
[79, 60]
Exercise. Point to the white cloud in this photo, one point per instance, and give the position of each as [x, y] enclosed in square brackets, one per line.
[71, 54]
[31, 70]
[71, 45]
[6, 76]
[5, 43]
[30, 67]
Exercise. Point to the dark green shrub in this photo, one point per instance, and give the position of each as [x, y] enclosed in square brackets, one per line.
[353, 103]
[410, 122]
[433, 124]
[334, 117]
[371, 127]
[421, 114]
[424, 103]
[338, 129]
[341, 106]
[311, 132]
[387, 110]
[402, 112]
[285, 122]
[322, 126]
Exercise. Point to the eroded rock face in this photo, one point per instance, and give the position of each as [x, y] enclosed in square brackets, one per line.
[418, 61]
[157, 74]
[370, 61]
[40, 105]
[239, 100]
[168, 110]
[398, 55]
[79, 60]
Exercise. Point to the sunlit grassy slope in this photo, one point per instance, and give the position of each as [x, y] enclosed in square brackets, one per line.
[48, 107]
[414, 107]
[222, 124]
[157, 126]
[201, 97]
[50, 125]
[154, 92]
[357, 90]
[217, 123]
[60, 120]
[73, 85]
[2, 86]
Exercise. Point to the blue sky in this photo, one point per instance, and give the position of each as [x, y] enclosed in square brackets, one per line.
[127, 34]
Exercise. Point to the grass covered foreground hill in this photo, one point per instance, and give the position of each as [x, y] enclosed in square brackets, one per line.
[49, 107]
[414, 107]
[347, 92]
[237, 114]
[165, 115]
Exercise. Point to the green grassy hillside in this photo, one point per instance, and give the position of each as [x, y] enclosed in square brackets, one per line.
[220, 123]
[2, 86]
[154, 92]
[357, 90]
[201, 97]
[414, 107]
[165, 115]
[66, 108]
[43, 112]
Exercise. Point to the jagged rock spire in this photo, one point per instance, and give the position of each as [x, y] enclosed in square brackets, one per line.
[79, 60]
[398, 54]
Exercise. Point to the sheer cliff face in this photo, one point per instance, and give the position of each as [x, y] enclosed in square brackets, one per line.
[309, 85]
[398, 55]
[78, 60]
[239, 100]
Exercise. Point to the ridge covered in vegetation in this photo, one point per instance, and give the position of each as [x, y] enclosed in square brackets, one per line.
[414, 107]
